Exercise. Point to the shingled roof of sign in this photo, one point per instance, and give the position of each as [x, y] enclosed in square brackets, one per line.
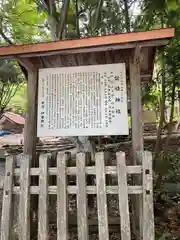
[94, 50]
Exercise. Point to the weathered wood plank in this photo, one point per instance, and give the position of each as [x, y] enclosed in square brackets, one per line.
[31, 116]
[89, 190]
[148, 210]
[81, 198]
[62, 207]
[136, 108]
[101, 197]
[7, 199]
[152, 43]
[24, 201]
[123, 197]
[43, 198]
[137, 132]
[88, 170]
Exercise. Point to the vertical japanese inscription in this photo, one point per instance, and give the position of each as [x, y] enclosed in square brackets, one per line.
[83, 98]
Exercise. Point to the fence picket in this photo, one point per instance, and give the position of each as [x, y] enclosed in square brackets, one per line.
[43, 198]
[81, 198]
[62, 206]
[123, 196]
[7, 199]
[101, 197]
[148, 212]
[24, 201]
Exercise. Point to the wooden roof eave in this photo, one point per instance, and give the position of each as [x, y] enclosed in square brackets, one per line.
[32, 56]
[152, 43]
[102, 43]
[28, 60]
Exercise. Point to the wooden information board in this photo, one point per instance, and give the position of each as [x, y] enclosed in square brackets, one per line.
[82, 101]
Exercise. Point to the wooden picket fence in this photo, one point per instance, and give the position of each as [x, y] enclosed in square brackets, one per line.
[81, 189]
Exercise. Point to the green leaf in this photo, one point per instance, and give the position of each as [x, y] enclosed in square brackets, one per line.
[171, 4]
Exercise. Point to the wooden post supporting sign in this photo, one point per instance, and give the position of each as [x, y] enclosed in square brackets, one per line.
[137, 130]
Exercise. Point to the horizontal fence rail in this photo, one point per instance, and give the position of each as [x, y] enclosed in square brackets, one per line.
[88, 170]
[63, 188]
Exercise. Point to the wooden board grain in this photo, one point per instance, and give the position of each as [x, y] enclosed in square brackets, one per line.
[90, 170]
[136, 108]
[40, 48]
[101, 197]
[81, 198]
[148, 210]
[123, 197]
[24, 201]
[7, 199]
[30, 128]
[43, 198]
[137, 133]
[62, 207]
[89, 190]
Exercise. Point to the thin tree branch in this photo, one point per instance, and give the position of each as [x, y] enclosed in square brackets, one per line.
[62, 19]
[162, 107]
[11, 94]
[24, 71]
[127, 19]
[170, 124]
[77, 19]
[98, 10]
[170, 129]
[5, 37]
[1, 97]
[7, 92]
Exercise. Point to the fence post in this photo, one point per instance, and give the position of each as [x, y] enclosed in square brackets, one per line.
[81, 198]
[43, 198]
[7, 199]
[24, 201]
[62, 206]
[101, 197]
[123, 196]
[148, 210]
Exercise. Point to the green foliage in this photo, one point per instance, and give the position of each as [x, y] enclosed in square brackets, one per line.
[157, 14]
[87, 18]
[167, 197]
[18, 102]
[21, 23]
[151, 97]
[10, 80]
[174, 168]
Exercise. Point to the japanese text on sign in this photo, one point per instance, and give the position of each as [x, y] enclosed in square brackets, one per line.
[87, 100]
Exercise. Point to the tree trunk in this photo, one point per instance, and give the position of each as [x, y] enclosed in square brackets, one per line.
[178, 103]
[52, 23]
[62, 19]
[77, 20]
[98, 10]
[170, 124]
[162, 107]
[127, 19]
[170, 127]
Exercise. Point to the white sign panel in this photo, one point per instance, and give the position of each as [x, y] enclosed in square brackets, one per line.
[82, 101]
